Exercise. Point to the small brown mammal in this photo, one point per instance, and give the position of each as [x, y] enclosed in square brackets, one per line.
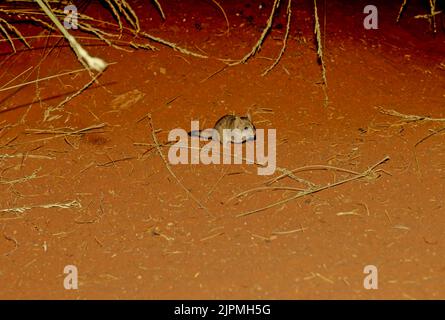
[229, 129]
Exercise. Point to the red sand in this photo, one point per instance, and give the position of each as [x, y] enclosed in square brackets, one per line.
[138, 234]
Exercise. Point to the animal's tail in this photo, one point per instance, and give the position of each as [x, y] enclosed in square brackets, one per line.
[206, 134]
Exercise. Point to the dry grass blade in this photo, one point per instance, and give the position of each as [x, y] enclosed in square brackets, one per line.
[56, 133]
[172, 45]
[65, 132]
[129, 14]
[257, 45]
[119, 7]
[158, 148]
[116, 7]
[277, 233]
[48, 111]
[287, 172]
[23, 155]
[115, 14]
[16, 77]
[8, 37]
[225, 15]
[402, 7]
[20, 180]
[13, 240]
[40, 79]
[429, 136]
[62, 205]
[405, 118]
[158, 5]
[320, 54]
[286, 36]
[263, 189]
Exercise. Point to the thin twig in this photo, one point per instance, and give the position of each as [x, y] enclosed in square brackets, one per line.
[225, 16]
[406, 118]
[429, 136]
[158, 5]
[41, 79]
[48, 111]
[320, 54]
[63, 205]
[58, 134]
[263, 189]
[401, 10]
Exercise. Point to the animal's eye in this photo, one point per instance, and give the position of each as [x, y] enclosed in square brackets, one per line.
[246, 128]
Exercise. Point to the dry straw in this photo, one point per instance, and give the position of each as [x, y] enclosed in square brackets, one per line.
[225, 15]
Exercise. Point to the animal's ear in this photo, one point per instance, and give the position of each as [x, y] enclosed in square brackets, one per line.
[249, 116]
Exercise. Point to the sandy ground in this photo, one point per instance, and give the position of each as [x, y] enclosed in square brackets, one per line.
[104, 201]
